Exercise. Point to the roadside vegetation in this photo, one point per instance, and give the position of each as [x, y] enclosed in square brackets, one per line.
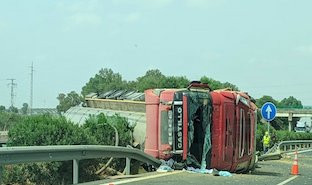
[278, 135]
[9, 119]
[41, 130]
[106, 79]
[44, 130]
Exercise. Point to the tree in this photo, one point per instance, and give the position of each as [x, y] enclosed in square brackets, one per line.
[152, 79]
[2, 108]
[155, 79]
[231, 86]
[215, 84]
[131, 85]
[176, 82]
[290, 102]
[264, 99]
[13, 109]
[105, 80]
[24, 108]
[67, 101]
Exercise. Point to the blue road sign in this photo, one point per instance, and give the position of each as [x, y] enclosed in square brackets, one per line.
[268, 111]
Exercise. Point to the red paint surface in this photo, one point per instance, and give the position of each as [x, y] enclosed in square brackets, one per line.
[224, 137]
[152, 114]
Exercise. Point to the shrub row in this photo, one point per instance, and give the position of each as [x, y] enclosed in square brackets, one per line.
[9, 119]
[49, 130]
[278, 135]
[282, 135]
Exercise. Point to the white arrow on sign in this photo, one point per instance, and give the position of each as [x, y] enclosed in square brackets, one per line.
[268, 110]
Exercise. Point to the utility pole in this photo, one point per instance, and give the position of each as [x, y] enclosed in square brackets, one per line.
[12, 85]
[31, 87]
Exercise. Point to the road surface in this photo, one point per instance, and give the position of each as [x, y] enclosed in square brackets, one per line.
[269, 172]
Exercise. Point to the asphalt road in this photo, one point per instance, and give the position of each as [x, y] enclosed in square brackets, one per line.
[269, 172]
[305, 170]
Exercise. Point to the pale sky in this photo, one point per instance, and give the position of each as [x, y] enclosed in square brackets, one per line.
[264, 47]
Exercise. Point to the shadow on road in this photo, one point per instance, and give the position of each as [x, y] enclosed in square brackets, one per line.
[267, 162]
[265, 173]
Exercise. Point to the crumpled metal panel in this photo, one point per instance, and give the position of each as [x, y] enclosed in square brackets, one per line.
[79, 114]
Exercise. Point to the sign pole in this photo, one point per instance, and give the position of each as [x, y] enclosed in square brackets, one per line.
[268, 112]
[269, 127]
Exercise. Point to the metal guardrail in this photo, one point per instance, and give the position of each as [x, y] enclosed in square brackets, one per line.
[27, 154]
[285, 147]
[291, 146]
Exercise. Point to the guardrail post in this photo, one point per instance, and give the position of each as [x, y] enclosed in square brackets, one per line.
[1, 173]
[128, 161]
[75, 171]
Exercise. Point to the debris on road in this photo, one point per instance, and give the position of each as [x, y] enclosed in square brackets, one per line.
[225, 174]
[165, 168]
[198, 170]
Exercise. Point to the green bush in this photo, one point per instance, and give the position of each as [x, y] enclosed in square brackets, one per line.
[9, 119]
[259, 135]
[283, 135]
[278, 135]
[48, 130]
[101, 127]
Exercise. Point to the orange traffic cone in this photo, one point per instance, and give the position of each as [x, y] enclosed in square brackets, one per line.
[295, 168]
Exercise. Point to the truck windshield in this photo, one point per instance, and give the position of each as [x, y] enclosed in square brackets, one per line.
[199, 123]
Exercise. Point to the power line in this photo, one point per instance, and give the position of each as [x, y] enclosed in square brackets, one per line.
[31, 87]
[12, 85]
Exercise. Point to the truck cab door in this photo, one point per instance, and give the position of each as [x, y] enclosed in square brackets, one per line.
[229, 122]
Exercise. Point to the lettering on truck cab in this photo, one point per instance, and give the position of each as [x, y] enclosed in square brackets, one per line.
[178, 126]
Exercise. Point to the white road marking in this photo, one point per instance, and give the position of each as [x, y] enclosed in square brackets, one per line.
[288, 180]
[143, 178]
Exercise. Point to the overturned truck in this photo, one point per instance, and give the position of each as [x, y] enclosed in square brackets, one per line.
[194, 126]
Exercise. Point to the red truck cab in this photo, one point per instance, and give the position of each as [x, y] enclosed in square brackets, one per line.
[233, 131]
[199, 127]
